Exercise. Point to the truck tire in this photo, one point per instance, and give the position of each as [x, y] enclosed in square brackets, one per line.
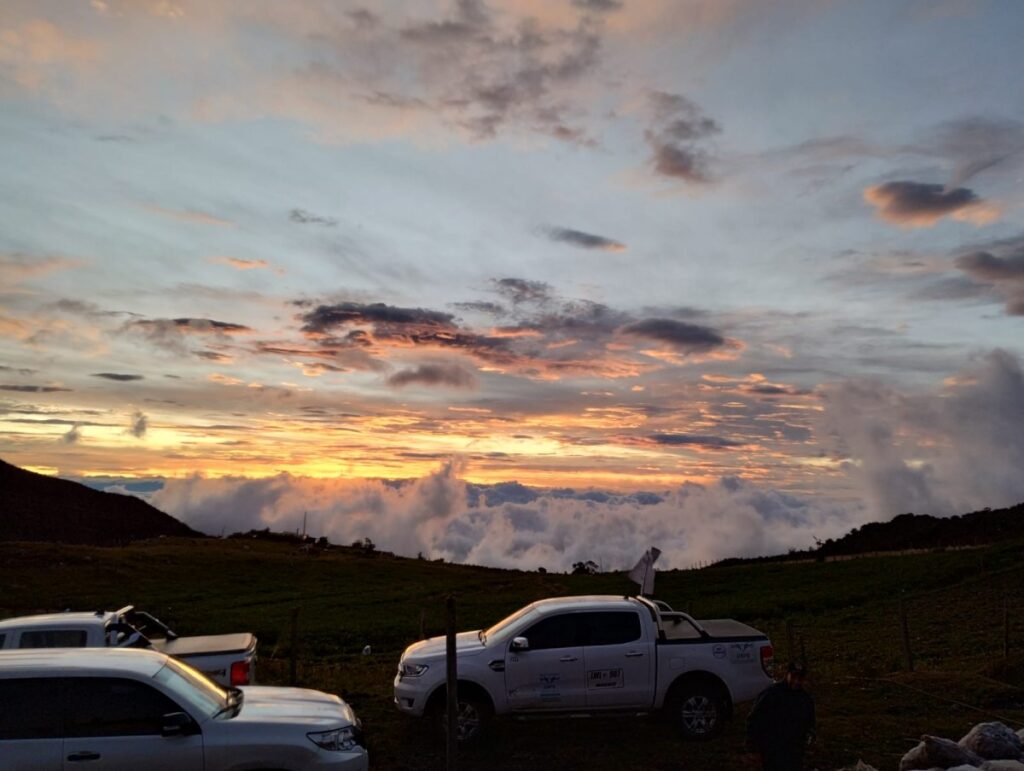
[474, 714]
[697, 711]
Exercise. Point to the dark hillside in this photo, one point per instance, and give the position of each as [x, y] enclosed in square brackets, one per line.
[35, 507]
[923, 531]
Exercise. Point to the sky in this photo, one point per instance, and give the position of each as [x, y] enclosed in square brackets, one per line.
[518, 283]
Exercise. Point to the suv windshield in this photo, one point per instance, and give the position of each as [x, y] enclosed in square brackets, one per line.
[193, 688]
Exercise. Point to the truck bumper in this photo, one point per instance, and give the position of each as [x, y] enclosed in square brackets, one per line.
[410, 697]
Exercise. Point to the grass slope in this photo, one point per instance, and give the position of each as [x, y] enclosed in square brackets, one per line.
[844, 612]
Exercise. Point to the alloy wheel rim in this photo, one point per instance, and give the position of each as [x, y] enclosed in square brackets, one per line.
[699, 714]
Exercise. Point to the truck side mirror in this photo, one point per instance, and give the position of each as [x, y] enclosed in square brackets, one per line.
[520, 644]
[176, 724]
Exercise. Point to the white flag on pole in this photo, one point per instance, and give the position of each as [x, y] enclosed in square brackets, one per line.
[643, 573]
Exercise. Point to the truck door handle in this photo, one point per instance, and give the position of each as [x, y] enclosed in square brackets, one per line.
[634, 654]
[567, 659]
[498, 665]
[75, 757]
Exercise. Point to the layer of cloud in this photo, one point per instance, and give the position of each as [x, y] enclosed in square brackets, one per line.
[443, 516]
[921, 204]
[584, 240]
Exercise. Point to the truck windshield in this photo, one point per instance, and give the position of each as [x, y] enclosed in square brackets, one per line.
[502, 626]
[194, 689]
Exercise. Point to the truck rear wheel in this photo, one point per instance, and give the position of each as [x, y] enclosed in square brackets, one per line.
[697, 711]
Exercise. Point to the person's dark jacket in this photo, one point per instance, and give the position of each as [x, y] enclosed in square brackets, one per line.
[780, 725]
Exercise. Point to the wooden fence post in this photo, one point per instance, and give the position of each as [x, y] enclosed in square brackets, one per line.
[452, 743]
[293, 648]
[1006, 627]
[908, 655]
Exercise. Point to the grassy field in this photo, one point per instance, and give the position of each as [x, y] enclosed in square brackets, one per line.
[844, 614]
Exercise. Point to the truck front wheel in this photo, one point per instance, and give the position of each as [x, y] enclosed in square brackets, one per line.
[473, 714]
[697, 711]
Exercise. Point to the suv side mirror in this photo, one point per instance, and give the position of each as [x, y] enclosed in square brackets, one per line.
[177, 724]
[520, 644]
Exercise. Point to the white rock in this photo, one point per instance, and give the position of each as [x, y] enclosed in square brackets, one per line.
[934, 751]
[994, 741]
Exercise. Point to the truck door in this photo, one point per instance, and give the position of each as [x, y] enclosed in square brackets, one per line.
[115, 724]
[619, 661]
[548, 676]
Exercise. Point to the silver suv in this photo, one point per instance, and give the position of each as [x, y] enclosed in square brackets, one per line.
[115, 709]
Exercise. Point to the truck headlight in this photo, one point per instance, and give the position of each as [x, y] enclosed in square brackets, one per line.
[338, 740]
[412, 670]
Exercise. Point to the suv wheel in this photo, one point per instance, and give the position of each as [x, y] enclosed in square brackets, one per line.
[472, 716]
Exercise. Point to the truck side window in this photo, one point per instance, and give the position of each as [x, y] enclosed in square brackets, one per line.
[612, 627]
[110, 706]
[3, 637]
[564, 631]
[29, 708]
[54, 638]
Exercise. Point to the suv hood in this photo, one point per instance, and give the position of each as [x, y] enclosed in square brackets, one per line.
[466, 644]
[266, 704]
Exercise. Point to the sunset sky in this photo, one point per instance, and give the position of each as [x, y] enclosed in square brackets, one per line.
[762, 261]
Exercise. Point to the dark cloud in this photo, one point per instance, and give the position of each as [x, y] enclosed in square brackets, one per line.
[212, 355]
[138, 425]
[688, 338]
[918, 204]
[677, 129]
[84, 308]
[123, 378]
[363, 19]
[520, 290]
[32, 389]
[1001, 268]
[303, 217]
[598, 6]
[326, 317]
[450, 375]
[584, 240]
[17, 370]
[72, 436]
[191, 326]
[703, 440]
[493, 309]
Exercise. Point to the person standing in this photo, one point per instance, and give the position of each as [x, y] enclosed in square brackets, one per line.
[781, 723]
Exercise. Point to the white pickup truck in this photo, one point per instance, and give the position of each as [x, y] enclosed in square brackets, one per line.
[126, 710]
[229, 659]
[588, 655]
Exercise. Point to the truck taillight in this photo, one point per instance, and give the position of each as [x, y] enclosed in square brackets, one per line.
[240, 673]
[767, 659]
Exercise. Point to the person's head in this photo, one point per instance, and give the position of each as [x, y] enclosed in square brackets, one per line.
[796, 675]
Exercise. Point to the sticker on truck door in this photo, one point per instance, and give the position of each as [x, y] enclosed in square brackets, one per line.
[605, 678]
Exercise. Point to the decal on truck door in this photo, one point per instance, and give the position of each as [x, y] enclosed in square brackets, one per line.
[549, 687]
[605, 678]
